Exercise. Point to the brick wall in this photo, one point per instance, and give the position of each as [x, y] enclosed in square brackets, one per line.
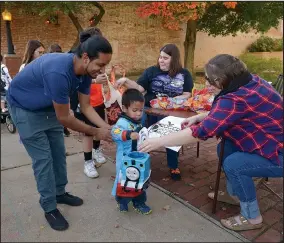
[136, 42]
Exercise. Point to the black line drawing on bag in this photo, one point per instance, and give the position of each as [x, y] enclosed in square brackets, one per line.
[163, 129]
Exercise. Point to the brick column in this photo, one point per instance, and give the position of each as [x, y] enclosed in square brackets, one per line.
[13, 63]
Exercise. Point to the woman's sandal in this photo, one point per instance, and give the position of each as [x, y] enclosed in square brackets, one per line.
[242, 226]
[224, 197]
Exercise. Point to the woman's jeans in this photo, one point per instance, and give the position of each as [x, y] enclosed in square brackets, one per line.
[42, 136]
[172, 156]
[240, 168]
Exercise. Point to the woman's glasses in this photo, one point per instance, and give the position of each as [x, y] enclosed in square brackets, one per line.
[209, 80]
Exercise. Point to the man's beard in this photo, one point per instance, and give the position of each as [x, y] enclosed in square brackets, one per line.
[94, 76]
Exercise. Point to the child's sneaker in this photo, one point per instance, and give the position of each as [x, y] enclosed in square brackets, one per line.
[123, 208]
[142, 208]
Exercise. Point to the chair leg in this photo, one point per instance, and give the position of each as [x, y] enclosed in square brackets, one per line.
[271, 190]
[218, 176]
[197, 150]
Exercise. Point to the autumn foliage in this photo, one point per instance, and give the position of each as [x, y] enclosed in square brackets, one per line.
[175, 13]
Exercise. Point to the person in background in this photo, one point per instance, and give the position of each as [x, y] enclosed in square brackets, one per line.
[55, 48]
[34, 49]
[5, 82]
[166, 78]
[52, 49]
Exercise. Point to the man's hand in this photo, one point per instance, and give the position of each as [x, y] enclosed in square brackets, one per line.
[150, 144]
[102, 134]
[134, 136]
[71, 112]
[101, 79]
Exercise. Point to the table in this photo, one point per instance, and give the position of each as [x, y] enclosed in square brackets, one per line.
[165, 113]
[161, 112]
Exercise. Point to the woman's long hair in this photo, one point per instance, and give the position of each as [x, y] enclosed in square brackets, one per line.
[31, 46]
[175, 65]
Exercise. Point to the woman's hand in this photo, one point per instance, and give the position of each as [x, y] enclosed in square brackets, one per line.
[101, 79]
[120, 82]
[189, 121]
[151, 144]
[193, 120]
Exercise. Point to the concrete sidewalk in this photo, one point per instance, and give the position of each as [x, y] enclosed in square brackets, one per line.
[97, 219]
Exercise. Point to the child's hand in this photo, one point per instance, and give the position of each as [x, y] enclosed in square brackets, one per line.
[134, 136]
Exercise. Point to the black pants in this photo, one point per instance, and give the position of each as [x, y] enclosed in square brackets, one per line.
[101, 112]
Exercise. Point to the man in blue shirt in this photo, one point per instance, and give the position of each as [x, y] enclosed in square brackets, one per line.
[38, 100]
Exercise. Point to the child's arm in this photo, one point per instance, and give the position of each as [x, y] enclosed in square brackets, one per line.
[119, 133]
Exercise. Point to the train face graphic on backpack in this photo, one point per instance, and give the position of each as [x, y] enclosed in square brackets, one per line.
[135, 172]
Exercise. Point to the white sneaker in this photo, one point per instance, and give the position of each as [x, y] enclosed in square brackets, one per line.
[98, 156]
[90, 170]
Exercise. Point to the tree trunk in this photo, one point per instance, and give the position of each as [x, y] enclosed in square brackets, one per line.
[78, 27]
[189, 45]
[98, 18]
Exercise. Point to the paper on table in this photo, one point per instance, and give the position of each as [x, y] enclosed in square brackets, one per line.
[166, 126]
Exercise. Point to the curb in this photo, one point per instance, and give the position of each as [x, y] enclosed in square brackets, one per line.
[196, 210]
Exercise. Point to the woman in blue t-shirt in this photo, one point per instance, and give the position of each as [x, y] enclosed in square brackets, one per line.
[166, 78]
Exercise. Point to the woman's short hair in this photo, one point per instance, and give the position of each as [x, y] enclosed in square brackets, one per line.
[173, 51]
[224, 68]
[54, 48]
[31, 46]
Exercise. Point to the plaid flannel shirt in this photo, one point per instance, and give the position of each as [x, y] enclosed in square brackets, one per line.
[250, 117]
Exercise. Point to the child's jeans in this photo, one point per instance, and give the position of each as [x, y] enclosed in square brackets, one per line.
[141, 199]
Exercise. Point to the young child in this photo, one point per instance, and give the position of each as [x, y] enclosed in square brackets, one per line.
[125, 134]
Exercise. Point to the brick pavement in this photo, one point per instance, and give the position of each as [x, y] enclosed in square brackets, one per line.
[198, 179]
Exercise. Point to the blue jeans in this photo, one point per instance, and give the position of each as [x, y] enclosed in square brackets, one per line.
[42, 137]
[240, 168]
[142, 198]
[172, 156]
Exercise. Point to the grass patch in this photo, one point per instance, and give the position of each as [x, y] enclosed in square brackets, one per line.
[268, 69]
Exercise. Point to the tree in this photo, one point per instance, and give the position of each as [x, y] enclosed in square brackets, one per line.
[51, 10]
[215, 18]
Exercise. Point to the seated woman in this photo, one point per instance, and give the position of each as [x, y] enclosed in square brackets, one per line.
[248, 114]
[166, 78]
